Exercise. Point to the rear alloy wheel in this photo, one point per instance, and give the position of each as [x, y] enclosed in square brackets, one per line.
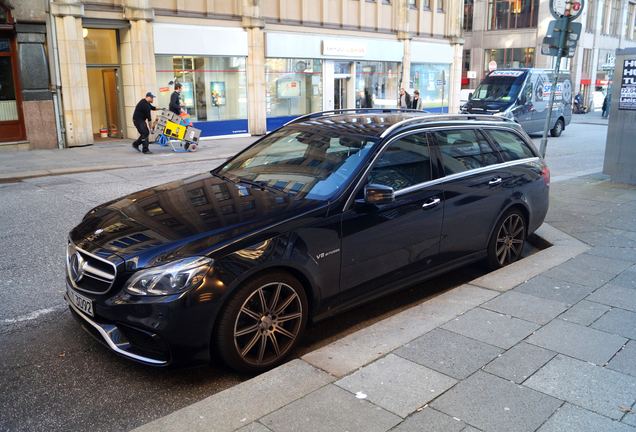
[506, 244]
[557, 129]
[262, 323]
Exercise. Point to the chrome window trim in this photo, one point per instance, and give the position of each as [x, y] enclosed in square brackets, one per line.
[109, 341]
[440, 180]
[464, 174]
[96, 272]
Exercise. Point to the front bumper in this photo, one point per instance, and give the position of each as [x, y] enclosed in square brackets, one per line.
[115, 338]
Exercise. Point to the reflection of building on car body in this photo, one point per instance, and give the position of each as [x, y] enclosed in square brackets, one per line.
[523, 95]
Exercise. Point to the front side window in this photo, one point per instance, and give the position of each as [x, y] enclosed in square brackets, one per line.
[512, 146]
[463, 150]
[405, 162]
[312, 163]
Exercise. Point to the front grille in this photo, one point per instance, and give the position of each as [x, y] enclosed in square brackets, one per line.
[87, 272]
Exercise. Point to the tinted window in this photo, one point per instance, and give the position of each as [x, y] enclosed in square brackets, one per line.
[405, 162]
[463, 150]
[512, 146]
[308, 162]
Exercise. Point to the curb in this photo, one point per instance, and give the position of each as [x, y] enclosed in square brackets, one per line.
[234, 408]
[25, 175]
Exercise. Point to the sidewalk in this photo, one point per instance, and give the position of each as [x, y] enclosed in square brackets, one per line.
[547, 344]
[593, 117]
[15, 166]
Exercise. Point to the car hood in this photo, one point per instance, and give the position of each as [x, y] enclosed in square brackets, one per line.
[194, 216]
[484, 107]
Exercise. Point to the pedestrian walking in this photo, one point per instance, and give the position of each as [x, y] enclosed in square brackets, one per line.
[175, 101]
[416, 102]
[404, 101]
[141, 120]
[606, 105]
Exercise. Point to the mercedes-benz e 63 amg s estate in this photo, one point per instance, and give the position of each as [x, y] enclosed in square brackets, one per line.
[329, 211]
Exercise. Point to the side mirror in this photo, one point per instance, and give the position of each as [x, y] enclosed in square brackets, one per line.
[470, 95]
[378, 194]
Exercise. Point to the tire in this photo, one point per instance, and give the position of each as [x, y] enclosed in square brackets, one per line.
[250, 335]
[557, 130]
[508, 239]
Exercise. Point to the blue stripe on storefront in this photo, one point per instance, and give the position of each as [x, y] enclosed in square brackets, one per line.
[436, 110]
[222, 127]
[276, 122]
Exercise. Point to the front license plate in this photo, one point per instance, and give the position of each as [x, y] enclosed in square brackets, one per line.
[82, 303]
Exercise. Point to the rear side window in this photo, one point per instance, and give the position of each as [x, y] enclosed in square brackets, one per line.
[511, 144]
[405, 162]
[463, 150]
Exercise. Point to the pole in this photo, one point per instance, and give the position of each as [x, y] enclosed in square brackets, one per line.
[562, 36]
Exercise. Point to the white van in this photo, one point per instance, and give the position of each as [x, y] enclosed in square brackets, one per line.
[523, 95]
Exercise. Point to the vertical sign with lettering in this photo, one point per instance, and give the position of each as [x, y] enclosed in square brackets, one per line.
[627, 99]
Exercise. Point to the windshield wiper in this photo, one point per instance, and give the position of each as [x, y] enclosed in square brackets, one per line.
[222, 177]
[260, 185]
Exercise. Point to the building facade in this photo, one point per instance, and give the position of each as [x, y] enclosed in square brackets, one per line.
[246, 66]
[28, 100]
[509, 33]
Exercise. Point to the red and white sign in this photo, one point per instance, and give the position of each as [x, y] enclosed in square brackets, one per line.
[492, 65]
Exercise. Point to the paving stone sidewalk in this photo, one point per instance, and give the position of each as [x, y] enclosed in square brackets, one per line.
[18, 165]
[547, 344]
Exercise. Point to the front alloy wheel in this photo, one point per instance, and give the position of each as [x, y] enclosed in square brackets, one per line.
[507, 243]
[262, 323]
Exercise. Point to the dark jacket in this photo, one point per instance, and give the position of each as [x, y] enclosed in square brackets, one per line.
[175, 103]
[142, 111]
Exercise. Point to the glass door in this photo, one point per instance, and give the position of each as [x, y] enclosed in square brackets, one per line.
[340, 93]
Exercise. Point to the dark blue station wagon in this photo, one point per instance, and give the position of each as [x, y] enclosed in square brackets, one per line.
[329, 211]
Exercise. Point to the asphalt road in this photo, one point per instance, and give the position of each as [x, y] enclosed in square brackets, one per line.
[54, 377]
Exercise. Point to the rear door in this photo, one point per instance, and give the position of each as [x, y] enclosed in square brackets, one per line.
[384, 243]
[473, 190]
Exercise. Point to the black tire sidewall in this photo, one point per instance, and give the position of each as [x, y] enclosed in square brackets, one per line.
[492, 261]
[557, 130]
[223, 337]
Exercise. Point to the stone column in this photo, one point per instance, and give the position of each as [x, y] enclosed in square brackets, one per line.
[74, 79]
[137, 58]
[455, 78]
[254, 25]
[406, 61]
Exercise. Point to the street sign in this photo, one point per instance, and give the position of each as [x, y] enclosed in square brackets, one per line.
[551, 41]
[492, 65]
[569, 8]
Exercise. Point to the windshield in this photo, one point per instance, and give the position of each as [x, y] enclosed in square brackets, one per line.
[500, 88]
[314, 164]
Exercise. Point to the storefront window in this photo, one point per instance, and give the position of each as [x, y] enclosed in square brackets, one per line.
[432, 82]
[101, 46]
[8, 104]
[214, 88]
[511, 14]
[294, 86]
[510, 58]
[377, 84]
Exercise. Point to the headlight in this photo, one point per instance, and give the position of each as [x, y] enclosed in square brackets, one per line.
[171, 278]
[505, 114]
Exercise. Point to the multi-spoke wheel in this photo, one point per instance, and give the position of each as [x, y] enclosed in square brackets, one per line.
[262, 323]
[507, 241]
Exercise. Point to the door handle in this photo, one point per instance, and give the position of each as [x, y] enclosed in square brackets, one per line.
[431, 203]
[495, 181]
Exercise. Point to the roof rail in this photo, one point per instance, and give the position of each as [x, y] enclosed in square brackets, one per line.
[353, 110]
[446, 117]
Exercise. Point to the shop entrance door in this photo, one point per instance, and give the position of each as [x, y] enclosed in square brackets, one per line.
[104, 82]
[340, 93]
[11, 119]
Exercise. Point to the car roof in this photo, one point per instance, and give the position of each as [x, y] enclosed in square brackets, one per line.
[379, 123]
